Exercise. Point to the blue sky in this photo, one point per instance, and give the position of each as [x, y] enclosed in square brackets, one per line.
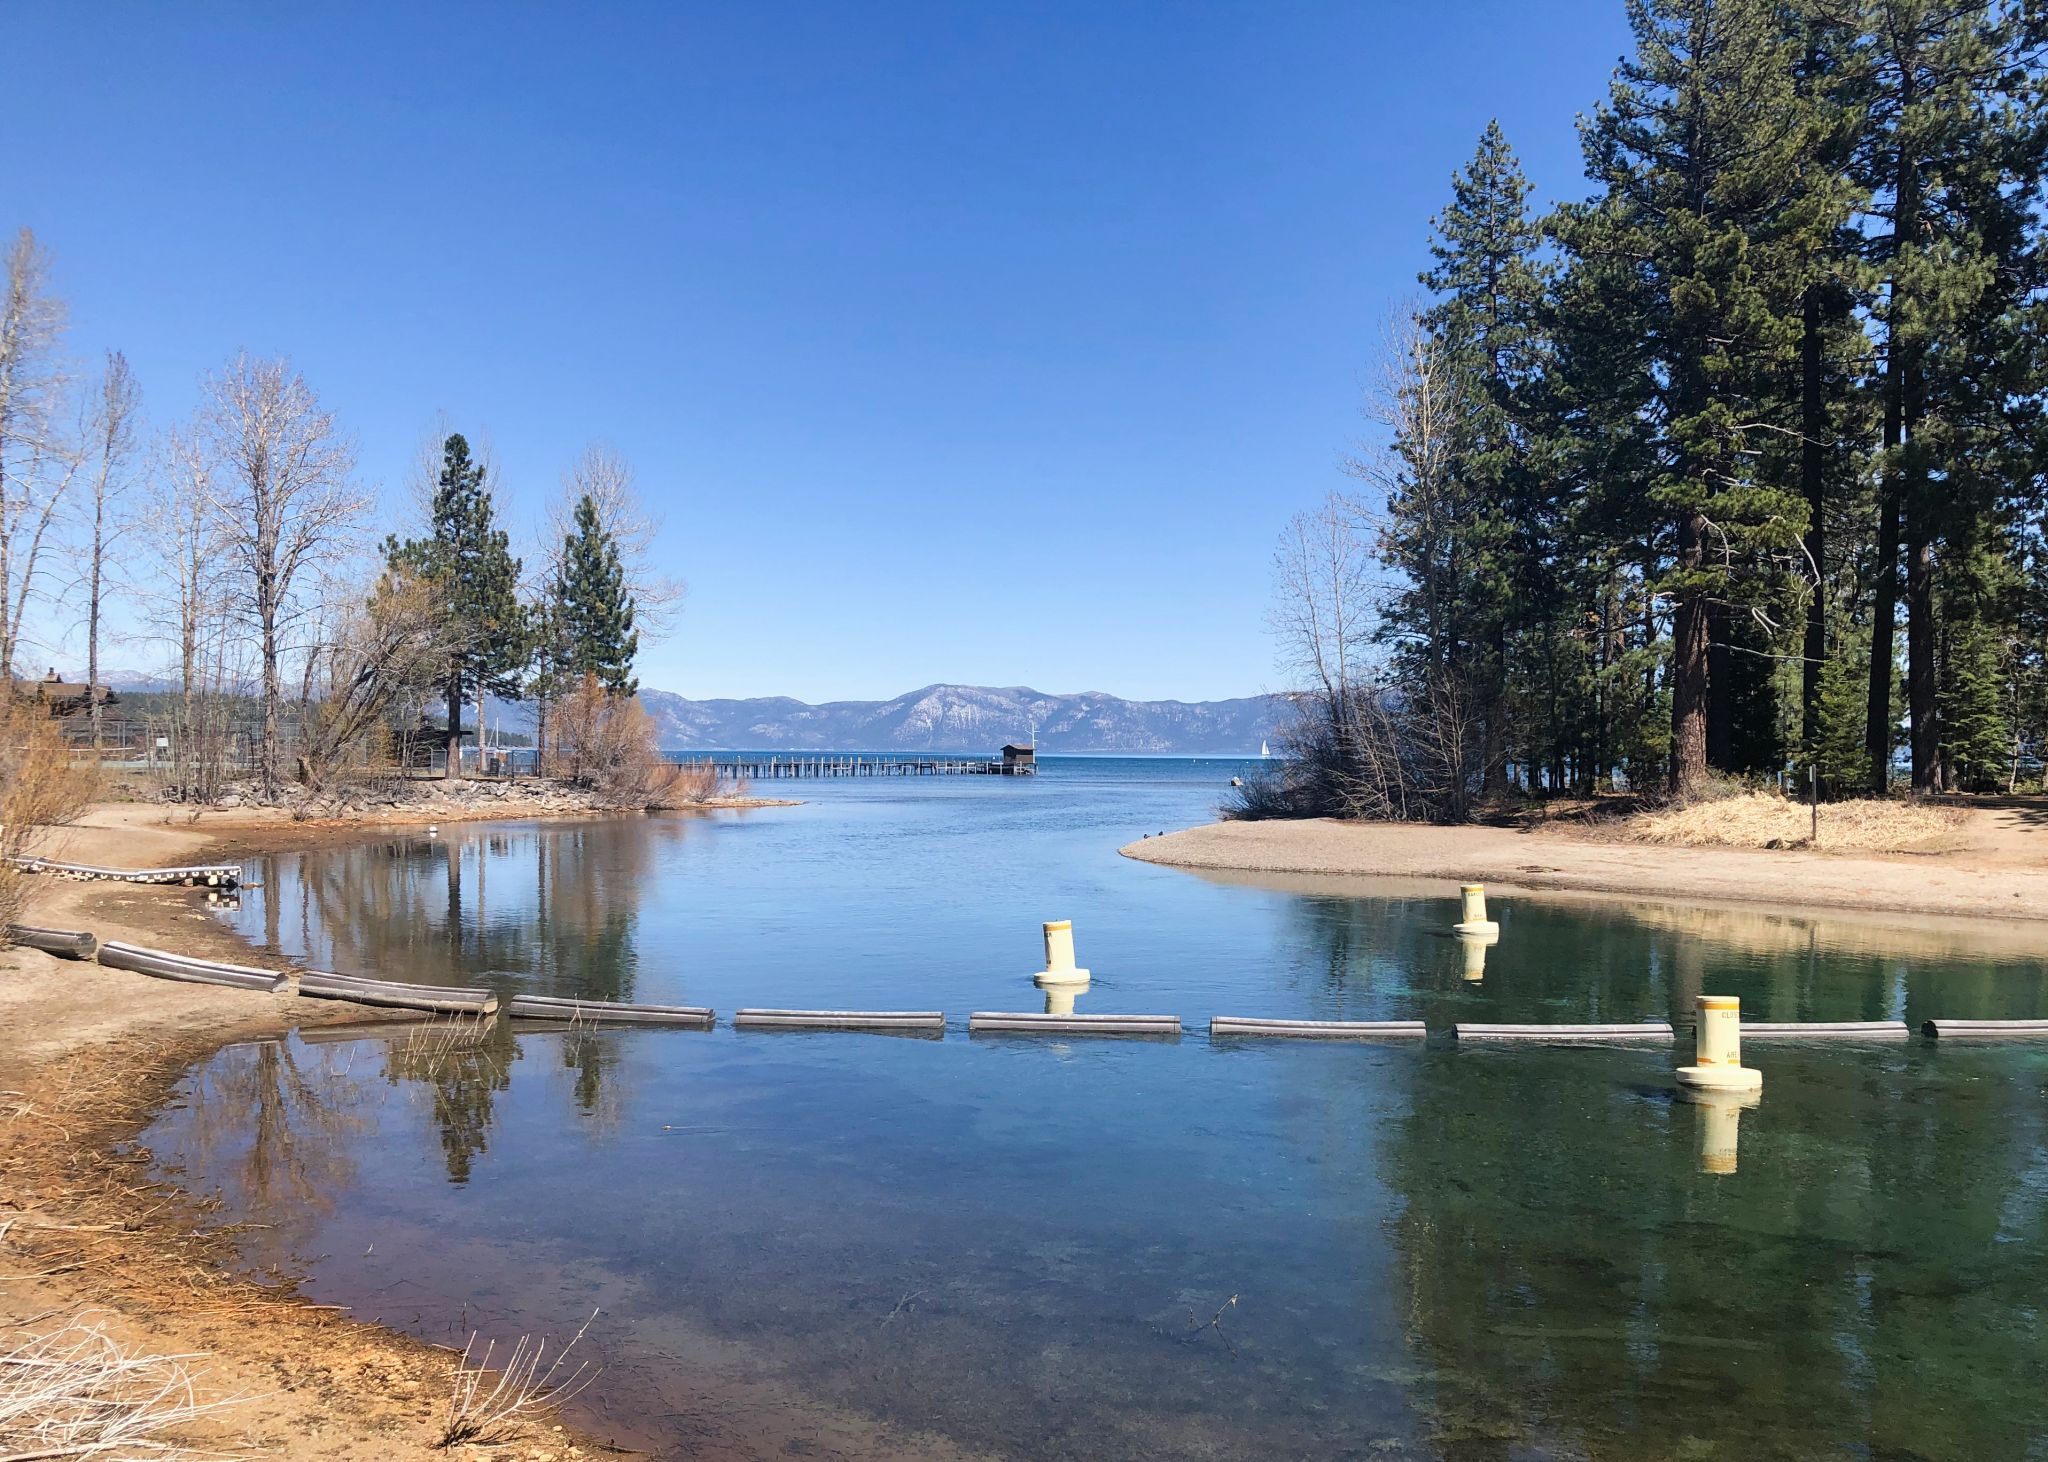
[983, 342]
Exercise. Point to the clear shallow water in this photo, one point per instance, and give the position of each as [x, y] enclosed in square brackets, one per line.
[886, 1247]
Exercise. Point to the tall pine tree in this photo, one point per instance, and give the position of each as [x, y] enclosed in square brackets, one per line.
[593, 606]
[468, 560]
[1697, 150]
[1951, 159]
[1489, 289]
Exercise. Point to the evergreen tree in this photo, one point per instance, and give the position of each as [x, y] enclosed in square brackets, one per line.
[1666, 465]
[1697, 151]
[1951, 158]
[1489, 289]
[468, 560]
[595, 608]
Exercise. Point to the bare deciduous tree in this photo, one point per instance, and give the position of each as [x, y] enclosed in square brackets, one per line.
[193, 593]
[608, 480]
[384, 653]
[37, 465]
[283, 497]
[1323, 595]
[110, 438]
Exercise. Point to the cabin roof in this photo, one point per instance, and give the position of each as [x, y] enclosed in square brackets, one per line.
[59, 692]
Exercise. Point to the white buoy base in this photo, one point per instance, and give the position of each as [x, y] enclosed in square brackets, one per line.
[1477, 926]
[1722, 1078]
[1050, 979]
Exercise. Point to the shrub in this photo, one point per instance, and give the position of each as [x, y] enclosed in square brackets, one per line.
[609, 744]
[40, 790]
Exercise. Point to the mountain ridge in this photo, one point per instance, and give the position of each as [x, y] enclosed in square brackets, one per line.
[949, 717]
[941, 717]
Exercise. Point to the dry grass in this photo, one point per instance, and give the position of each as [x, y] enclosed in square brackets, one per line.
[77, 1392]
[690, 784]
[1766, 820]
[486, 1403]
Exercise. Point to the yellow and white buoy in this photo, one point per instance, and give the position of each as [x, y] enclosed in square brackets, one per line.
[1472, 911]
[1717, 1048]
[1060, 969]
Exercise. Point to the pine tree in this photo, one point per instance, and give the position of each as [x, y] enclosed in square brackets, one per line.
[1821, 243]
[1489, 290]
[1697, 150]
[468, 560]
[1951, 159]
[595, 609]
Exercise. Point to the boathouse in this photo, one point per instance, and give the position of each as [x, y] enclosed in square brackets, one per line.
[1020, 761]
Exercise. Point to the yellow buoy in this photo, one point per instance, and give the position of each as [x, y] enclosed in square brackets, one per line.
[1059, 957]
[1473, 918]
[1717, 1048]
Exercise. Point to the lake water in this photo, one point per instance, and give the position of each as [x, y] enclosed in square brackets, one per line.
[869, 1246]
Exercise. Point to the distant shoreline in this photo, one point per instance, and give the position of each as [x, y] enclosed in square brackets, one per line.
[701, 753]
[2001, 874]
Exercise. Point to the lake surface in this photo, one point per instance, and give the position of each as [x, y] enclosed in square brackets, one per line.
[837, 1244]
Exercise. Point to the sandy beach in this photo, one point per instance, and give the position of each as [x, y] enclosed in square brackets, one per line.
[1998, 867]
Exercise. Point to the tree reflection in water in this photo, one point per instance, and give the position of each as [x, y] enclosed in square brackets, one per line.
[462, 1067]
[547, 908]
[276, 1138]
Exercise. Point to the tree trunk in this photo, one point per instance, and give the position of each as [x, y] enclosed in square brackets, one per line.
[1495, 773]
[1813, 421]
[1877, 733]
[453, 770]
[92, 625]
[1720, 709]
[1689, 670]
[1892, 491]
[266, 612]
[1920, 681]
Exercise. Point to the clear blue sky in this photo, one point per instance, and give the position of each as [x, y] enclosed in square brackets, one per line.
[985, 342]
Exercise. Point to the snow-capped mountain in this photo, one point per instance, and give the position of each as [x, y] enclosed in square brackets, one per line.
[967, 718]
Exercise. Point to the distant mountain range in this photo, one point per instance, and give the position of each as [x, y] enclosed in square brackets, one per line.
[967, 718]
[946, 718]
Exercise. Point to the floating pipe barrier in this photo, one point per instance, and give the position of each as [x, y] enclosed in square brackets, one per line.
[850, 1020]
[2023, 1030]
[1823, 1030]
[1322, 1030]
[386, 1030]
[1077, 1025]
[1648, 1030]
[606, 1012]
[448, 999]
[114, 954]
[70, 943]
[213, 875]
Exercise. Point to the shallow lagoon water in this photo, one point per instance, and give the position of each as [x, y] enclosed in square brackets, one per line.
[1016, 1246]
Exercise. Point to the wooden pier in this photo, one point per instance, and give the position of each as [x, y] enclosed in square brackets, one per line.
[778, 768]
